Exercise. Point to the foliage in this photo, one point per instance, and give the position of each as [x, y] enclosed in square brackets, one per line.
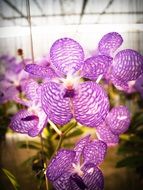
[12, 178]
[131, 145]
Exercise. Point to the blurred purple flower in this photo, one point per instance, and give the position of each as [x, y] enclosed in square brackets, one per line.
[78, 168]
[139, 85]
[7, 92]
[12, 77]
[32, 120]
[116, 123]
[65, 95]
[9, 63]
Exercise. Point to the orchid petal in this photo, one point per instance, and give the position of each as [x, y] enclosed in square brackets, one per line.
[109, 43]
[66, 55]
[40, 71]
[91, 104]
[93, 177]
[119, 83]
[80, 147]
[118, 119]
[30, 87]
[105, 134]
[60, 164]
[63, 182]
[95, 152]
[95, 66]
[127, 65]
[41, 124]
[22, 123]
[54, 104]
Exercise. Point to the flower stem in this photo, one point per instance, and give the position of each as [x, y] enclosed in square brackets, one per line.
[63, 135]
[70, 127]
[44, 161]
[55, 127]
[65, 129]
[46, 181]
[59, 144]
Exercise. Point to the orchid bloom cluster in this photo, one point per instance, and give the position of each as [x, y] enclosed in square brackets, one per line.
[70, 88]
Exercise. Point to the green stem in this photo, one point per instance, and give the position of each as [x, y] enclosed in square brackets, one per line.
[63, 135]
[59, 144]
[5, 108]
[44, 161]
[46, 181]
[70, 128]
[65, 129]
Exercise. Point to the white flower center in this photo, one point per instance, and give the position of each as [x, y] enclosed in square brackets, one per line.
[72, 80]
[121, 117]
[77, 169]
[90, 171]
[34, 108]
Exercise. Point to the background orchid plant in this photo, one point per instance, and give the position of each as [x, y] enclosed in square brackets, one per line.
[69, 91]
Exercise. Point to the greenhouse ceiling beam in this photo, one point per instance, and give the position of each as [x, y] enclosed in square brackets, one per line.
[87, 14]
[84, 4]
[15, 8]
[38, 6]
[104, 10]
[107, 7]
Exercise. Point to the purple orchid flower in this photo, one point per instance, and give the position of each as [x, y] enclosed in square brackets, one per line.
[99, 66]
[116, 123]
[78, 169]
[65, 95]
[126, 66]
[32, 120]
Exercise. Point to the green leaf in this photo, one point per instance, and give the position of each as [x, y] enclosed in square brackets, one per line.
[131, 162]
[11, 178]
[137, 120]
[68, 145]
[75, 133]
[129, 149]
[28, 161]
[125, 137]
[29, 144]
